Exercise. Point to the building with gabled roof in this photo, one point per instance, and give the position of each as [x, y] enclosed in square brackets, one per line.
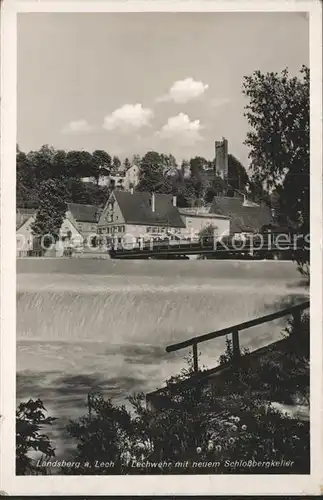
[245, 216]
[23, 214]
[139, 214]
[79, 225]
[26, 241]
[84, 217]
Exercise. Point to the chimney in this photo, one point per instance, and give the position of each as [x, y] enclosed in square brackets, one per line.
[153, 202]
[174, 200]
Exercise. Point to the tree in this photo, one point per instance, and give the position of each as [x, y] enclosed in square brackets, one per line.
[59, 164]
[197, 166]
[26, 191]
[186, 196]
[278, 113]
[126, 164]
[101, 162]
[42, 162]
[116, 164]
[30, 419]
[136, 160]
[238, 178]
[208, 233]
[79, 164]
[99, 436]
[51, 211]
[152, 176]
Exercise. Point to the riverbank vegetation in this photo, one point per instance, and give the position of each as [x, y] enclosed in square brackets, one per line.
[233, 426]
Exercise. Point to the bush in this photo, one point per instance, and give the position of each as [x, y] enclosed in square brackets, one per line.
[192, 431]
[100, 436]
[224, 426]
[30, 417]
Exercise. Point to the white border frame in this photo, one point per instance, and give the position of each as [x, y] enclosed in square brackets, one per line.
[151, 485]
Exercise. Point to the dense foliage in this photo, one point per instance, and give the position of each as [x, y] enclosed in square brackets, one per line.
[278, 113]
[30, 418]
[51, 211]
[64, 169]
[159, 172]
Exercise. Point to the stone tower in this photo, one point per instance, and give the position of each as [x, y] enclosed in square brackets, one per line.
[221, 159]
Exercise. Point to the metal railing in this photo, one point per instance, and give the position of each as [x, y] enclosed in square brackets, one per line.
[256, 245]
[234, 330]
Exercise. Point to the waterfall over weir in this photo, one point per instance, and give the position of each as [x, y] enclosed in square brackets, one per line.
[84, 325]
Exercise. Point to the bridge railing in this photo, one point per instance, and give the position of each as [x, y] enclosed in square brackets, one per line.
[258, 244]
[295, 311]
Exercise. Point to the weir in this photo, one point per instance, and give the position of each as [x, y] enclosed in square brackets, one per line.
[85, 325]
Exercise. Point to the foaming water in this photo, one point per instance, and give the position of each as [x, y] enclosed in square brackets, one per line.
[77, 332]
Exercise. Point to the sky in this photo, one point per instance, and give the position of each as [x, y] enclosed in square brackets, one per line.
[128, 83]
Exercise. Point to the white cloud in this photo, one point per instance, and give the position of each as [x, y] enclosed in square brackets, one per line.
[77, 127]
[180, 127]
[184, 90]
[128, 117]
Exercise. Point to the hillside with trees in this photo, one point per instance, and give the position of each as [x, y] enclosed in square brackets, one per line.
[159, 172]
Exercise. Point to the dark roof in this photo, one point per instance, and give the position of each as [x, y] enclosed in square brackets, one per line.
[22, 215]
[83, 213]
[136, 209]
[25, 213]
[243, 218]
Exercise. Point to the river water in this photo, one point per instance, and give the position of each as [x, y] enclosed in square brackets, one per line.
[85, 324]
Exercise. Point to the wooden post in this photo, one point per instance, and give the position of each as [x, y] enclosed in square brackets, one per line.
[297, 316]
[195, 358]
[235, 345]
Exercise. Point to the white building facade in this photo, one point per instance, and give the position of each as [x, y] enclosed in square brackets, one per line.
[196, 220]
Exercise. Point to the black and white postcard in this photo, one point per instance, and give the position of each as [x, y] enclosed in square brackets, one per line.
[161, 248]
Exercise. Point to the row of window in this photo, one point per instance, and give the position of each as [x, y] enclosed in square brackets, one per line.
[156, 229]
[121, 229]
[112, 230]
[86, 227]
